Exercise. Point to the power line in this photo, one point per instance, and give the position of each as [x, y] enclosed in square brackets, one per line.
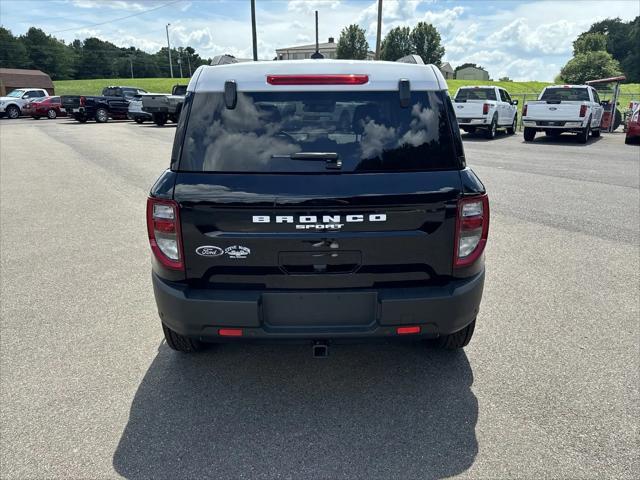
[119, 18]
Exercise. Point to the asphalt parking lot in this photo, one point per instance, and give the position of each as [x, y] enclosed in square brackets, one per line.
[548, 387]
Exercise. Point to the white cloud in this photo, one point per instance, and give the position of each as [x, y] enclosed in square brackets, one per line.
[114, 4]
[309, 6]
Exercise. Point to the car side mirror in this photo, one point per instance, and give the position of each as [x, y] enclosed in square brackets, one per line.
[26, 95]
[514, 102]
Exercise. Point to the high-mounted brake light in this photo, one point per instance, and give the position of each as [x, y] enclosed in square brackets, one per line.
[163, 227]
[524, 111]
[472, 228]
[583, 110]
[317, 79]
[485, 108]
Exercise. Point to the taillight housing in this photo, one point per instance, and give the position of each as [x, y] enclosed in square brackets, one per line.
[524, 111]
[83, 101]
[485, 108]
[163, 227]
[472, 228]
[583, 110]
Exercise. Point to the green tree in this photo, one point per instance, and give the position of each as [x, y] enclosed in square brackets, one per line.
[13, 53]
[590, 42]
[48, 54]
[397, 44]
[427, 43]
[352, 43]
[589, 66]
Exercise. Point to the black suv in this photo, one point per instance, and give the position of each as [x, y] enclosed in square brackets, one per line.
[317, 201]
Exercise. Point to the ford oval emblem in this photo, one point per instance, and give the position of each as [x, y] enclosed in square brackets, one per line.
[209, 251]
[553, 108]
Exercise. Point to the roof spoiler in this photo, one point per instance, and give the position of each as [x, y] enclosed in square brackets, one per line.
[416, 59]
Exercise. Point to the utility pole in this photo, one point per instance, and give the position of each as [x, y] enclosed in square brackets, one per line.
[379, 34]
[189, 62]
[131, 63]
[180, 60]
[169, 49]
[253, 30]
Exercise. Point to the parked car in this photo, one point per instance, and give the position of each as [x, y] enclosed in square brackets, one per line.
[50, 107]
[113, 103]
[564, 108]
[164, 107]
[12, 104]
[263, 228]
[135, 111]
[485, 107]
[633, 128]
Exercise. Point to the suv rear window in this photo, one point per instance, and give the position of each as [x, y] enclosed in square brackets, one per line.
[465, 94]
[566, 94]
[367, 131]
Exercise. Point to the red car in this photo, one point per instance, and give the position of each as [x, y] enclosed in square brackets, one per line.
[633, 128]
[50, 107]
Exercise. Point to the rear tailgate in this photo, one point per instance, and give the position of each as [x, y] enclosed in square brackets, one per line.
[154, 103]
[69, 102]
[319, 231]
[557, 110]
[469, 109]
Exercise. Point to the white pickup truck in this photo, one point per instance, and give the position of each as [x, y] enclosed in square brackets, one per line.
[12, 104]
[485, 107]
[564, 108]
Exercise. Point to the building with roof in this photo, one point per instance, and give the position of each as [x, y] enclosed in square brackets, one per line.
[472, 73]
[327, 49]
[447, 70]
[12, 78]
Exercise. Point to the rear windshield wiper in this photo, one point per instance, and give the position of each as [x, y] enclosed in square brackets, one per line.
[331, 159]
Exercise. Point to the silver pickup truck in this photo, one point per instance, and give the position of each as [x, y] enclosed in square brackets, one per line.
[564, 108]
[163, 107]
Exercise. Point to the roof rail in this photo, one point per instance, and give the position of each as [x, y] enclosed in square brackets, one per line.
[411, 59]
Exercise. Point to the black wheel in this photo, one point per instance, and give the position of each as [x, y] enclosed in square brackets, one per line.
[160, 119]
[52, 114]
[529, 134]
[595, 133]
[553, 133]
[491, 131]
[180, 343]
[617, 119]
[583, 136]
[13, 112]
[512, 129]
[35, 117]
[102, 116]
[139, 120]
[469, 129]
[458, 339]
[81, 118]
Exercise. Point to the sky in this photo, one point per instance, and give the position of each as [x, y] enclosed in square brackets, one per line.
[524, 40]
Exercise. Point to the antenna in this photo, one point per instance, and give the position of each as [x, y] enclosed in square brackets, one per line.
[317, 53]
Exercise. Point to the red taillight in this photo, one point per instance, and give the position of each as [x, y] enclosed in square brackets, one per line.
[472, 228]
[408, 330]
[230, 332]
[485, 108]
[583, 110]
[317, 79]
[82, 101]
[524, 111]
[163, 227]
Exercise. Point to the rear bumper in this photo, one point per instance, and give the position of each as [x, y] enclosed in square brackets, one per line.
[573, 125]
[473, 122]
[328, 314]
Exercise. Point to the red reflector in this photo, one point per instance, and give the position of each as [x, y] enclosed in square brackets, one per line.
[165, 226]
[485, 108]
[317, 79]
[407, 330]
[230, 332]
[471, 223]
[583, 110]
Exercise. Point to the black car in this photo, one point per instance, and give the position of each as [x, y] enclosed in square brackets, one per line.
[268, 226]
[113, 103]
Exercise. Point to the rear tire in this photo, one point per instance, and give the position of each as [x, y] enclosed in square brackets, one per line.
[595, 133]
[139, 120]
[35, 117]
[512, 129]
[160, 119]
[52, 114]
[102, 116]
[458, 339]
[180, 343]
[493, 128]
[529, 134]
[583, 137]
